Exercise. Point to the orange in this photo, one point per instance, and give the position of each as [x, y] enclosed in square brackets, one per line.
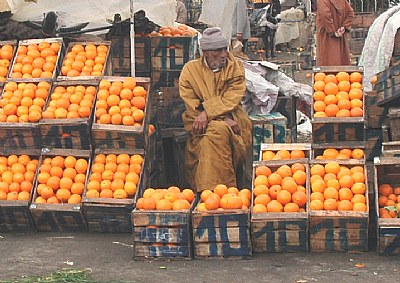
[165, 205]
[299, 198]
[318, 186]
[274, 190]
[331, 110]
[358, 177]
[296, 167]
[317, 196]
[284, 171]
[274, 179]
[330, 78]
[357, 153]
[319, 86]
[345, 205]
[268, 155]
[332, 167]
[319, 76]
[331, 193]
[289, 184]
[330, 204]
[385, 190]
[284, 197]
[291, 207]
[274, 206]
[360, 207]
[358, 188]
[355, 77]
[342, 76]
[319, 106]
[297, 154]
[346, 182]
[331, 88]
[317, 169]
[344, 86]
[259, 208]
[300, 177]
[263, 199]
[181, 204]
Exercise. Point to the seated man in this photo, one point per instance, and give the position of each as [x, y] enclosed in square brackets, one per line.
[212, 88]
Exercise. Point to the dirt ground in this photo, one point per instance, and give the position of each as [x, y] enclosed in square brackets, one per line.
[109, 257]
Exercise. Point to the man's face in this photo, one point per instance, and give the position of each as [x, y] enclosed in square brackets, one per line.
[216, 58]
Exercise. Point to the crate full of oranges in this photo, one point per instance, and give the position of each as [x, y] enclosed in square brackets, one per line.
[122, 113]
[161, 223]
[68, 115]
[7, 51]
[37, 58]
[387, 192]
[86, 60]
[18, 171]
[279, 219]
[58, 190]
[115, 177]
[339, 205]
[21, 108]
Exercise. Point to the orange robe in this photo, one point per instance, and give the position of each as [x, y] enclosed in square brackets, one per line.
[331, 15]
[214, 157]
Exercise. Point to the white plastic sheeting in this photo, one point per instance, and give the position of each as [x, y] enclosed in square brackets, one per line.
[161, 12]
[378, 47]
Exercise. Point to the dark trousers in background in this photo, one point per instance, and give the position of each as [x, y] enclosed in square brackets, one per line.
[269, 42]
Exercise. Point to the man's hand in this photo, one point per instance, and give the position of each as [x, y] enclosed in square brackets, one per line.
[200, 123]
[233, 124]
[340, 32]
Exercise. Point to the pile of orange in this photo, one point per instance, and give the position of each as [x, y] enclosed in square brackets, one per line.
[280, 190]
[181, 30]
[23, 102]
[6, 55]
[120, 103]
[114, 176]
[389, 201]
[172, 198]
[338, 95]
[36, 60]
[17, 174]
[85, 60]
[68, 102]
[283, 154]
[338, 187]
[344, 153]
[61, 180]
[222, 198]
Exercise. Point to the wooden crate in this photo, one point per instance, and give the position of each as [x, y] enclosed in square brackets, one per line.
[120, 136]
[373, 143]
[14, 214]
[318, 149]
[164, 79]
[363, 20]
[14, 44]
[340, 231]
[267, 128]
[121, 55]
[60, 54]
[287, 105]
[394, 121]
[110, 215]
[305, 147]
[387, 171]
[331, 130]
[391, 149]
[62, 217]
[162, 234]
[74, 133]
[106, 67]
[388, 87]
[221, 234]
[21, 135]
[375, 116]
[280, 231]
[172, 53]
[169, 113]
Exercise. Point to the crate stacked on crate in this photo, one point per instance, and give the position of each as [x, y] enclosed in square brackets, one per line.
[68, 115]
[115, 177]
[122, 115]
[57, 199]
[221, 223]
[360, 26]
[7, 52]
[18, 168]
[267, 128]
[387, 190]
[279, 219]
[162, 224]
[339, 206]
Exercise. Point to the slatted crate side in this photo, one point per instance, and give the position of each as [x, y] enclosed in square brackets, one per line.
[274, 147]
[110, 215]
[120, 136]
[394, 121]
[338, 234]
[121, 54]
[71, 133]
[223, 234]
[172, 53]
[287, 105]
[387, 171]
[269, 128]
[169, 113]
[318, 149]
[390, 149]
[285, 231]
[14, 214]
[337, 130]
[375, 116]
[164, 78]
[388, 86]
[21, 135]
[106, 67]
[62, 217]
[14, 44]
[60, 53]
[373, 143]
